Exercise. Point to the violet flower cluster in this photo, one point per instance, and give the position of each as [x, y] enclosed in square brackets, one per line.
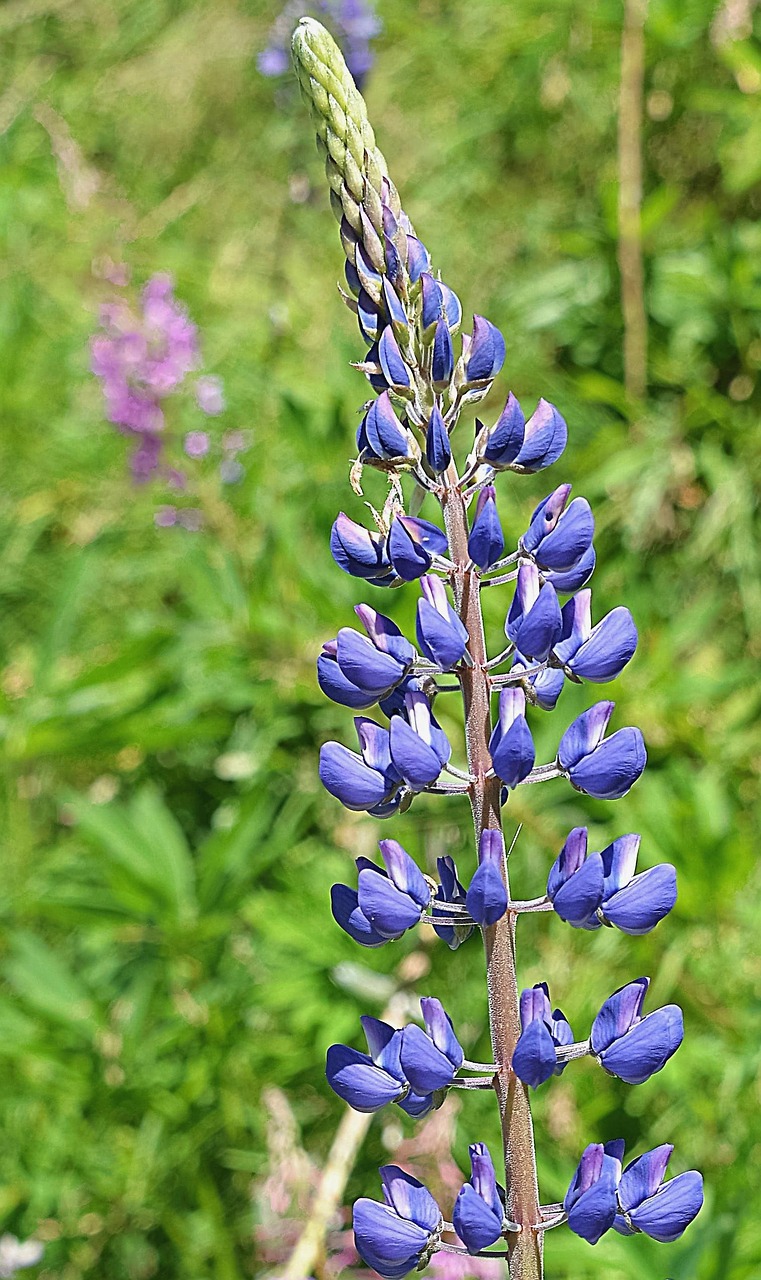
[425, 377]
[145, 359]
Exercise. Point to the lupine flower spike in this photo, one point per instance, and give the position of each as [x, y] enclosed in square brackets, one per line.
[440, 531]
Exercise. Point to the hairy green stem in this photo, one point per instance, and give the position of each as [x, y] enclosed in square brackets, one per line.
[524, 1246]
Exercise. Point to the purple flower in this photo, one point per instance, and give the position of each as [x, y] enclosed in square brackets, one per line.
[533, 622]
[600, 653]
[197, 444]
[630, 1046]
[544, 1030]
[486, 542]
[500, 445]
[590, 1200]
[362, 782]
[450, 890]
[478, 1216]
[412, 545]
[588, 890]
[368, 1081]
[440, 633]
[486, 898]
[356, 670]
[442, 357]
[438, 450]
[359, 552]
[430, 1059]
[483, 353]
[400, 1235]
[662, 1210]
[395, 371]
[386, 903]
[515, 444]
[558, 536]
[602, 767]
[209, 395]
[543, 688]
[381, 436]
[511, 746]
[419, 749]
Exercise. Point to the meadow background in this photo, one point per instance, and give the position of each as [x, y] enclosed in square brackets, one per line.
[167, 958]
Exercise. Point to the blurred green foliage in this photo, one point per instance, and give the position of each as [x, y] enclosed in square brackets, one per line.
[166, 947]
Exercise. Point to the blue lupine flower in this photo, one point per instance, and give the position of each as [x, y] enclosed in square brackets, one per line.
[366, 782]
[442, 358]
[662, 1210]
[601, 888]
[412, 544]
[440, 633]
[418, 747]
[600, 653]
[452, 307]
[590, 1200]
[511, 746]
[634, 903]
[386, 903]
[438, 450]
[544, 1031]
[382, 436]
[359, 552]
[401, 1234]
[432, 305]
[418, 258]
[395, 371]
[478, 1216]
[533, 622]
[558, 536]
[357, 671]
[486, 542]
[543, 687]
[450, 890]
[486, 898]
[500, 445]
[544, 440]
[605, 768]
[394, 309]
[368, 1081]
[430, 1059]
[483, 353]
[630, 1046]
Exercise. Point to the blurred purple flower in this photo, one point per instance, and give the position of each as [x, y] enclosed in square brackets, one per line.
[354, 23]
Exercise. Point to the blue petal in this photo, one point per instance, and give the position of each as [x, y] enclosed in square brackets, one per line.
[441, 641]
[563, 548]
[417, 1104]
[349, 779]
[442, 358]
[439, 1028]
[538, 629]
[389, 911]
[637, 908]
[384, 1045]
[647, 1047]
[394, 369]
[345, 907]
[594, 1212]
[619, 862]
[438, 450]
[365, 665]
[432, 303]
[514, 756]
[474, 1221]
[384, 432]
[545, 517]
[544, 440]
[356, 550]
[483, 1178]
[486, 541]
[618, 1013]
[486, 353]
[572, 579]
[610, 646]
[569, 860]
[356, 1079]
[335, 685]
[668, 1213]
[385, 634]
[417, 763]
[504, 440]
[534, 1056]
[409, 1197]
[385, 1241]
[404, 872]
[583, 735]
[642, 1178]
[486, 898]
[580, 896]
[613, 767]
[425, 1066]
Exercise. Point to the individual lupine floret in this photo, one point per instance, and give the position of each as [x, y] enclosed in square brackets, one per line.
[386, 902]
[412, 545]
[662, 1210]
[362, 782]
[483, 354]
[369, 1081]
[544, 1031]
[402, 1234]
[589, 890]
[511, 746]
[605, 768]
[533, 621]
[630, 1046]
[599, 653]
[486, 898]
[430, 1059]
[438, 450]
[450, 890]
[360, 552]
[395, 370]
[381, 438]
[442, 356]
[517, 445]
[486, 542]
[567, 580]
[356, 670]
[441, 635]
[419, 748]
[542, 688]
[478, 1216]
[590, 1200]
[559, 536]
